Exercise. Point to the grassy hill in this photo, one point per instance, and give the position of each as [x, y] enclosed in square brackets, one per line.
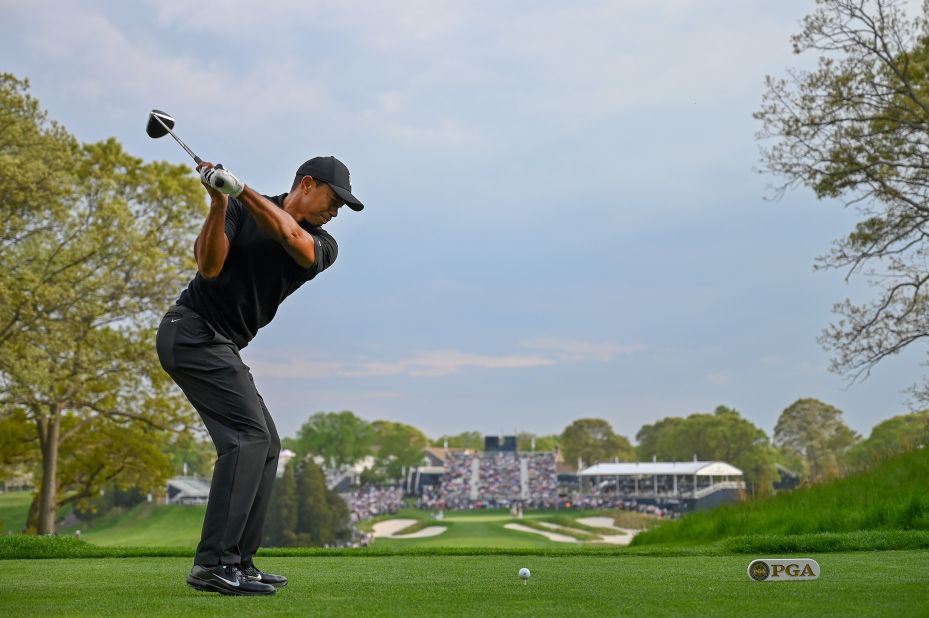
[893, 496]
[147, 525]
[14, 508]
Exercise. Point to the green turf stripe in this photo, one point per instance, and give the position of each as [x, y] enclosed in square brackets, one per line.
[19, 547]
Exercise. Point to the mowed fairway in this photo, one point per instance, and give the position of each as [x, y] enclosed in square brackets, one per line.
[877, 583]
[476, 529]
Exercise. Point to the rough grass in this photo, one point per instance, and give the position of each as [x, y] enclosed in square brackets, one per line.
[536, 524]
[892, 496]
[571, 522]
[422, 524]
[633, 519]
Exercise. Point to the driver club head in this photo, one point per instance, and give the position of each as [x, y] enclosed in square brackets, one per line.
[157, 129]
[160, 124]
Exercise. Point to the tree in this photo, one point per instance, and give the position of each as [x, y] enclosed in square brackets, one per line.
[816, 433]
[340, 529]
[891, 437]
[649, 444]
[721, 436]
[18, 452]
[854, 129]
[17, 440]
[282, 512]
[399, 447]
[341, 438]
[303, 511]
[593, 440]
[526, 441]
[466, 439]
[198, 456]
[313, 515]
[94, 244]
[105, 454]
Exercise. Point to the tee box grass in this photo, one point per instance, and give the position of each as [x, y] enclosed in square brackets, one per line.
[851, 584]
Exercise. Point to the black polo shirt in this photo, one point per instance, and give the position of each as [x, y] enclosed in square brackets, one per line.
[256, 278]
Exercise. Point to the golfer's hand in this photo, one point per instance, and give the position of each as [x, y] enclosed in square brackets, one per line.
[221, 180]
[215, 196]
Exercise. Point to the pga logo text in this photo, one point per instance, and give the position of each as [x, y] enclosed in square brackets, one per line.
[783, 569]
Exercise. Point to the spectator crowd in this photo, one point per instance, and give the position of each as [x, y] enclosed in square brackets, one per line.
[495, 480]
[372, 501]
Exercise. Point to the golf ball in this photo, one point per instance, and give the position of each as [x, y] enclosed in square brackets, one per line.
[524, 573]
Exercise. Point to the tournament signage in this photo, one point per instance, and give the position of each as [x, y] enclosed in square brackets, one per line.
[783, 569]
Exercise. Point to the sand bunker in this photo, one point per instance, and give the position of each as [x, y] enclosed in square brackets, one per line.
[551, 536]
[623, 538]
[388, 529]
[560, 527]
[598, 522]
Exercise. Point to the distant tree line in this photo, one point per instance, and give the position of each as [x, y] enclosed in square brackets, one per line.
[303, 511]
[810, 439]
[342, 439]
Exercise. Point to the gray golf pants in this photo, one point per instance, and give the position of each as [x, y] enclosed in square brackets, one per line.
[208, 368]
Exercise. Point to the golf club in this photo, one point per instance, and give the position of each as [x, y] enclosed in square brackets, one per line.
[160, 124]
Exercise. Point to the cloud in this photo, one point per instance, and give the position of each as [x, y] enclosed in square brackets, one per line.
[411, 73]
[433, 363]
[446, 362]
[437, 363]
[112, 61]
[579, 350]
[380, 395]
[719, 377]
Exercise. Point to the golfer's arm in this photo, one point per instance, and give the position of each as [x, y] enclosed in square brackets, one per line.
[297, 242]
[212, 246]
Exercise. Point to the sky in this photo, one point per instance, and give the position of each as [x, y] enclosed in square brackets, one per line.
[564, 213]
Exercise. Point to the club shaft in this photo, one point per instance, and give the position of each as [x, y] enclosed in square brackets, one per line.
[178, 140]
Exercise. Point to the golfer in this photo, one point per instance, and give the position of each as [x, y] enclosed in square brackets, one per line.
[252, 252]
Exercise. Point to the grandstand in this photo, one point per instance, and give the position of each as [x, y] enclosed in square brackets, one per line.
[497, 477]
[689, 485]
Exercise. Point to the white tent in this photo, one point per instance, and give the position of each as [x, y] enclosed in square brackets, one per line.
[664, 468]
[667, 479]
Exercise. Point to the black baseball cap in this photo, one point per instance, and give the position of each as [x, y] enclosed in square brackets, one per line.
[334, 173]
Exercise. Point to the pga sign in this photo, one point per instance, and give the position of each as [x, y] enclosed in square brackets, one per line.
[783, 569]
